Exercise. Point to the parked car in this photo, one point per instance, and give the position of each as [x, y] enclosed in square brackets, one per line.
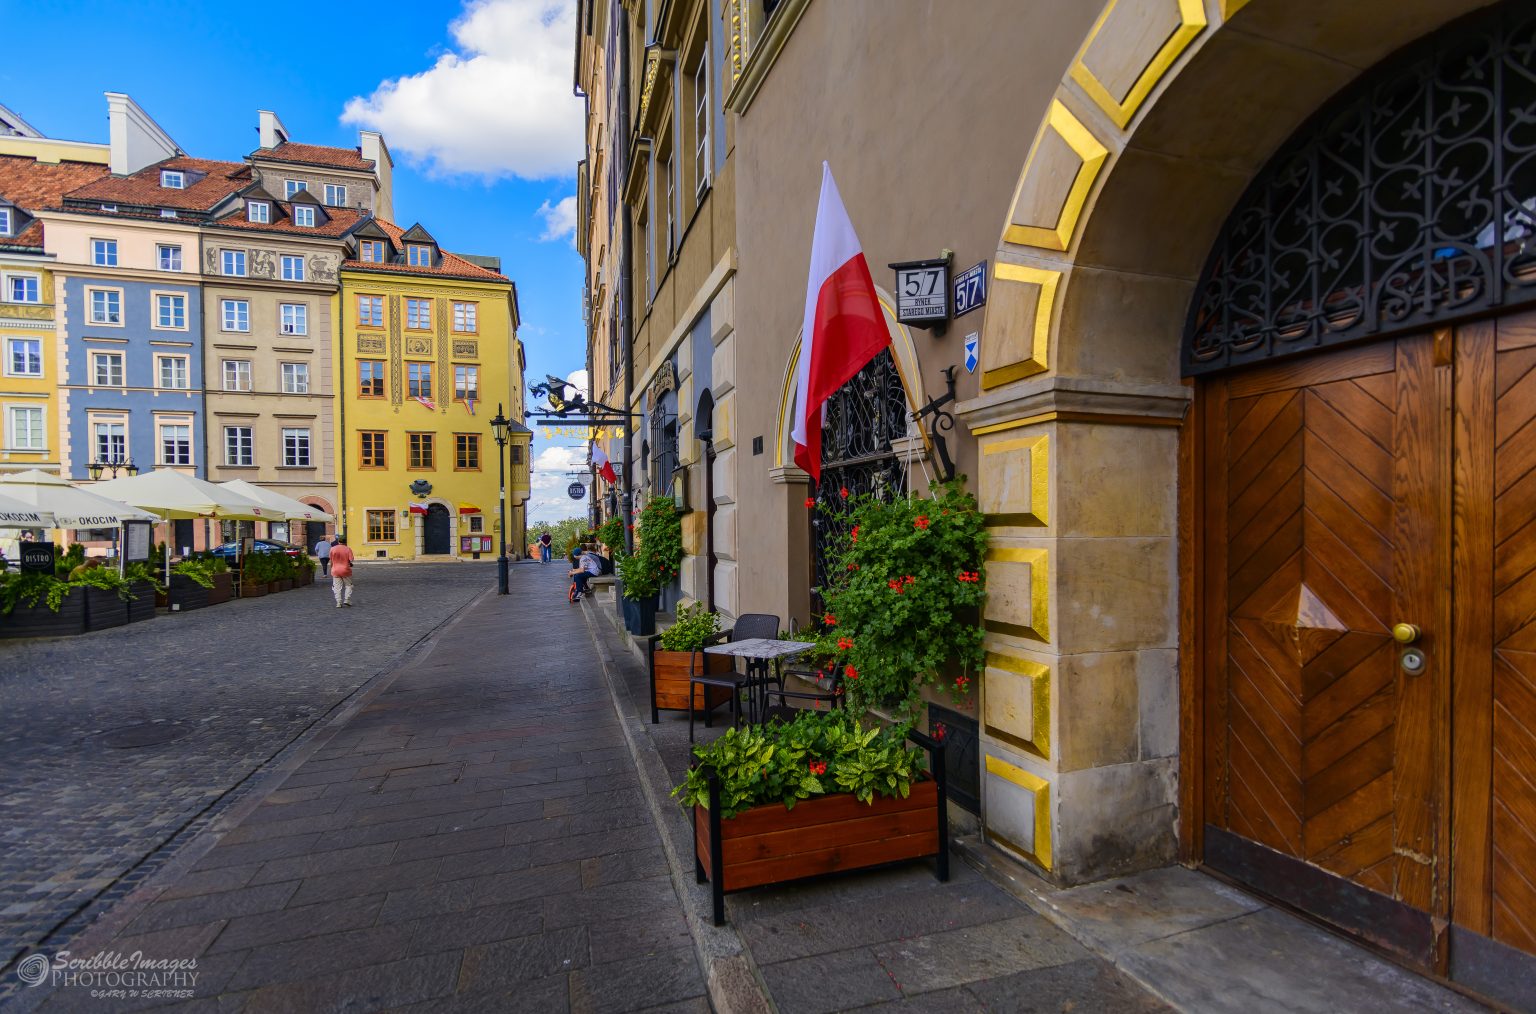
[230, 550]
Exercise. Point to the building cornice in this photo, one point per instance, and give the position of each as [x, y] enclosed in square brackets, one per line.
[763, 53]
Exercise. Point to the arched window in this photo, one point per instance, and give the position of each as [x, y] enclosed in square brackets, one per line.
[1408, 201]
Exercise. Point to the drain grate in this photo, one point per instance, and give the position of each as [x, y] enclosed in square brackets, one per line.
[147, 734]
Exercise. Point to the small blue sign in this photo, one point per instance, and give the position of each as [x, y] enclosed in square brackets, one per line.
[972, 347]
[970, 289]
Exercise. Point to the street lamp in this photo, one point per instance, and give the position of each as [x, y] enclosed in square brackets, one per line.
[499, 427]
[111, 464]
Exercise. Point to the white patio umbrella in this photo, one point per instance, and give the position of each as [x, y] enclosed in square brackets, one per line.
[177, 497]
[20, 514]
[296, 510]
[71, 506]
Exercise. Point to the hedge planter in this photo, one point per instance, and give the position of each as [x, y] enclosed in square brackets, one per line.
[669, 680]
[185, 593]
[223, 589]
[286, 584]
[40, 621]
[104, 609]
[253, 591]
[827, 834]
[143, 605]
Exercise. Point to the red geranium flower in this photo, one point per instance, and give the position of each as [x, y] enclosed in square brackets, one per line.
[850, 672]
[810, 502]
[921, 522]
[909, 579]
[844, 492]
[939, 731]
[844, 643]
[818, 767]
[829, 620]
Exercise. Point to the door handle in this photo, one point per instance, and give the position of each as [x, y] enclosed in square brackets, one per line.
[1406, 633]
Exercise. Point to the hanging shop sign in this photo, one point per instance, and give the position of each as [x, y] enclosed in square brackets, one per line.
[971, 289]
[922, 293]
[576, 491]
[583, 432]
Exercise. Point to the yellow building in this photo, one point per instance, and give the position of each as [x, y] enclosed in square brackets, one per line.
[34, 172]
[427, 350]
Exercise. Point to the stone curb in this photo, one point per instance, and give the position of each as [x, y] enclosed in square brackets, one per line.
[733, 981]
[249, 793]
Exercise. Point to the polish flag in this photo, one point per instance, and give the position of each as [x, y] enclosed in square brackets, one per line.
[604, 466]
[844, 327]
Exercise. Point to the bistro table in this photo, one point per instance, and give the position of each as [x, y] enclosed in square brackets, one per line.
[759, 652]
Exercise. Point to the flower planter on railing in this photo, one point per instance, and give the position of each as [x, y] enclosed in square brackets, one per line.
[185, 593]
[142, 607]
[104, 609]
[40, 621]
[771, 844]
[669, 679]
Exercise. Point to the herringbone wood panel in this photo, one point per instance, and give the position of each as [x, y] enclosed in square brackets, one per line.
[1311, 670]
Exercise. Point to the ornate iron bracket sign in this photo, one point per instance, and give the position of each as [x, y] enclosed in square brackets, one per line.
[942, 420]
[574, 408]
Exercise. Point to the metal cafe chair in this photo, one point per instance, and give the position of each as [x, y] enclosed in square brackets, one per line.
[749, 626]
[829, 691]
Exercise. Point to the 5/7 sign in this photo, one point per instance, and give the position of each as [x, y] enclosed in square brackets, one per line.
[970, 289]
[922, 292]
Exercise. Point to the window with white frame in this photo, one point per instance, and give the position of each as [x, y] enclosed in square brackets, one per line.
[304, 215]
[294, 318]
[237, 374]
[167, 212]
[170, 311]
[232, 262]
[291, 187]
[371, 251]
[7, 221]
[258, 211]
[106, 306]
[23, 289]
[464, 318]
[370, 311]
[295, 378]
[236, 314]
[168, 257]
[104, 253]
[293, 269]
[336, 195]
[107, 369]
[174, 373]
[418, 255]
[418, 314]
[24, 357]
[173, 179]
[110, 438]
[701, 125]
[24, 428]
[239, 446]
[176, 443]
[295, 447]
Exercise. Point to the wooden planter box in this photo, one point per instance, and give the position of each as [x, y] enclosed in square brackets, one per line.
[104, 609]
[253, 591]
[143, 605]
[828, 834]
[40, 621]
[286, 584]
[185, 593]
[669, 680]
[223, 589]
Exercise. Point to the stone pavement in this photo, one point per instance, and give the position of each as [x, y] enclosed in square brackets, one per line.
[472, 839]
[86, 815]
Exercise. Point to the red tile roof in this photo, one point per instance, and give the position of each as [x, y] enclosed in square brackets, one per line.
[31, 185]
[341, 219]
[143, 188]
[315, 154]
[451, 265]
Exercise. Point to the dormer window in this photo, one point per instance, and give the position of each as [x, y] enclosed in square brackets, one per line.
[291, 187]
[304, 214]
[7, 222]
[173, 179]
[258, 211]
[371, 251]
[418, 255]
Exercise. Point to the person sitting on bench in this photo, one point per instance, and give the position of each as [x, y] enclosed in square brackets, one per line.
[588, 566]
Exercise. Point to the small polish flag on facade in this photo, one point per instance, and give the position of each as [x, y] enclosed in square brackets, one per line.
[844, 327]
[427, 402]
[418, 508]
[604, 466]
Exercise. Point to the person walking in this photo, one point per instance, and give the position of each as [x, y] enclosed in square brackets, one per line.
[341, 572]
[323, 554]
[545, 550]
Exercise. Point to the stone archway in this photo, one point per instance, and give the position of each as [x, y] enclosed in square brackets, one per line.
[1165, 115]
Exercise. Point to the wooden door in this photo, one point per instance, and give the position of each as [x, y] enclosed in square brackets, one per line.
[1326, 506]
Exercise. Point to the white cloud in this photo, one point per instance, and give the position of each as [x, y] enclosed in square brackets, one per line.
[548, 500]
[578, 380]
[559, 219]
[498, 104]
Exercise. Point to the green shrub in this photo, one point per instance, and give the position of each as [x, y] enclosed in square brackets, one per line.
[28, 589]
[692, 630]
[198, 571]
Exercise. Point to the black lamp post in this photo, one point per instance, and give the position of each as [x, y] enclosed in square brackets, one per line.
[111, 464]
[499, 427]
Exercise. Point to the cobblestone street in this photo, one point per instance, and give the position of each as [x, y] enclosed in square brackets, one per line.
[214, 694]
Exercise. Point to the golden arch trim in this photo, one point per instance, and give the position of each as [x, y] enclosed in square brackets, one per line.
[1091, 154]
[1038, 329]
[1122, 109]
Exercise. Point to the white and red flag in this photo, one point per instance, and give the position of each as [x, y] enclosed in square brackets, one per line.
[603, 465]
[844, 327]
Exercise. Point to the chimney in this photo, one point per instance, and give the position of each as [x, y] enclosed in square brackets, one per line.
[134, 139]
[370, 143]
[272, 131]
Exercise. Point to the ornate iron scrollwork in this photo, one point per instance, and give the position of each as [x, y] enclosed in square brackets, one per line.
[1409, 201]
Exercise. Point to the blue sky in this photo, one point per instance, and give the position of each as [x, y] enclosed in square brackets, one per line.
[473, 98]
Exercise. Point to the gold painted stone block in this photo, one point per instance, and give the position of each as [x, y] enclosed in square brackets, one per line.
[1014, 482]
[1018, 593]
[1016, 702]
[1017, 808]
[1053, 188]
[1129, 50]
[1018, 326]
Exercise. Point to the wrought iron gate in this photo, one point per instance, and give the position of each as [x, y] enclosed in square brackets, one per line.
[862, 419]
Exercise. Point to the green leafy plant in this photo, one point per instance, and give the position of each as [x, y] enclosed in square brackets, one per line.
[66, 561]
[639, 579]
[30, 588]
[141, 571]
[105, 578]
[611, 534]
[658, 555]
[817, 754]
[197, 571]
[692, 629]
[904, 608]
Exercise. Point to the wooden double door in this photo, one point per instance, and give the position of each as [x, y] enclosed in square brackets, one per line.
[1386, 784]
